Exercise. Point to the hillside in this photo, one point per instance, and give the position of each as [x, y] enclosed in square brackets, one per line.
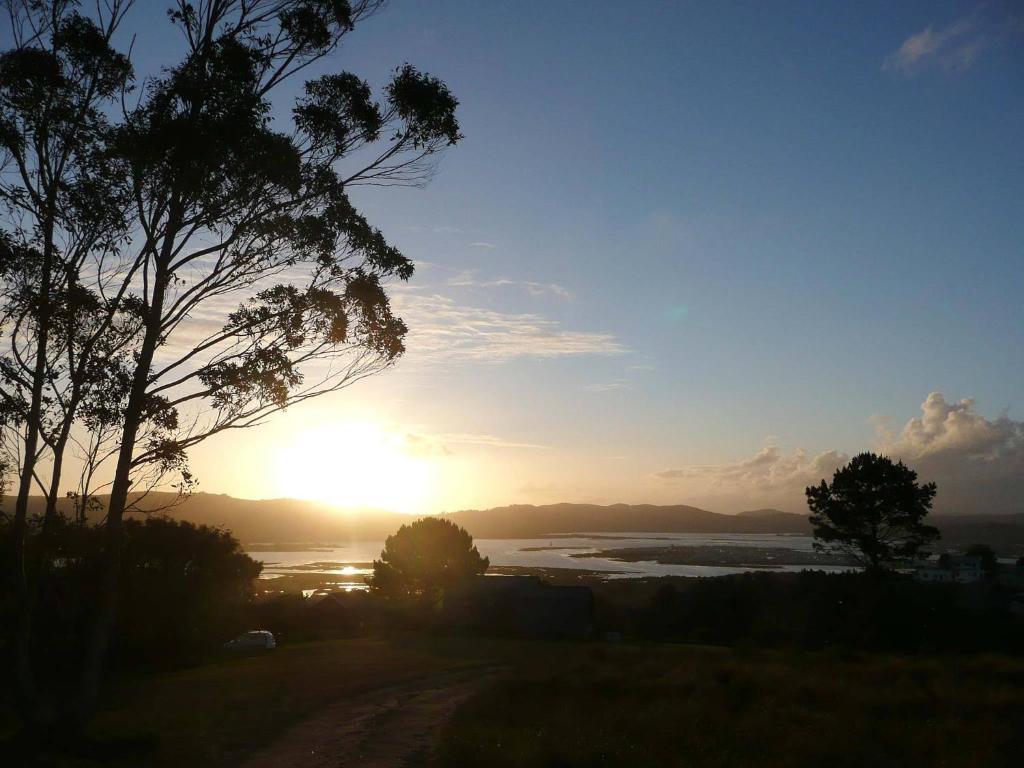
[270, 520]
[296, 521]
[524, 520]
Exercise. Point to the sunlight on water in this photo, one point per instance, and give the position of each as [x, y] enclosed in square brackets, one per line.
[550, 552]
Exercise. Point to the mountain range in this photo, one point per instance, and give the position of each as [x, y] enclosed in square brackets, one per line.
[293, 521]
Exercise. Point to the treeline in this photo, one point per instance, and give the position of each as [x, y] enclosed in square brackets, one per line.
[814, 610]
[184, 590]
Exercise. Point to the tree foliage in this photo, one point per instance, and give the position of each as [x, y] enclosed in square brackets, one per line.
[176, 262]
[425, 559]
[184, 589]
[873, 510]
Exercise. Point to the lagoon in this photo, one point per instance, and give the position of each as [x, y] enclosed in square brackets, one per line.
[351, 561]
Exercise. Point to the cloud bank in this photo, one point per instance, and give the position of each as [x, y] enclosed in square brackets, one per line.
[769, 470]
[977, 462]
[441, 328]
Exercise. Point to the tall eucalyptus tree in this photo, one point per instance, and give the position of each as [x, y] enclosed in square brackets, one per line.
[61, 216]
[237, 276]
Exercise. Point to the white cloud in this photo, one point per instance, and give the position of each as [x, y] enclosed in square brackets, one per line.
[468, 279]
[441, 444]
[442, 229]
[483, 244]
[608, 386]
[442, 329]
[929, 45]
[977, 462]
[487, 441]
[956, 429]
[957, 46]
[769, 470]
[423, 446]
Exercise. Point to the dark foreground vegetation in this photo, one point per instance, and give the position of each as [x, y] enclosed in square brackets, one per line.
[764, 668]
[814, 610]
[655, 705]
[184, 590]
[134, 201]
[587, 704]
[215, 713]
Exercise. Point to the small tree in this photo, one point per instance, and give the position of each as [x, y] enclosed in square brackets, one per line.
[425, 559]
[873, 511]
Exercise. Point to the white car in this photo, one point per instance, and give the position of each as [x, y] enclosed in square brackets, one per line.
[256, 640]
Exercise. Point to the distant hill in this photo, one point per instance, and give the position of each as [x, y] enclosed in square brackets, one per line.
[525, 520]
[292, 521]
[269, 520]
[766, 512]
[1004, 533]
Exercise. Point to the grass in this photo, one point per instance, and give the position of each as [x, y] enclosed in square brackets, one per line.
[567, 704]
[214, 714]
[691, 706]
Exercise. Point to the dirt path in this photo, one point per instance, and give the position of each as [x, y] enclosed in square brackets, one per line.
[385, 728]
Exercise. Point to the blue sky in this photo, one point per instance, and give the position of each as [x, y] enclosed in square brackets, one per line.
[681, 236]
[792, 225]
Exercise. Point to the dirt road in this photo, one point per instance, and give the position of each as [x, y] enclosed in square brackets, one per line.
[390, 727]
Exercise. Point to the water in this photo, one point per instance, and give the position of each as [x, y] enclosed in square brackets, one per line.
[557, 554]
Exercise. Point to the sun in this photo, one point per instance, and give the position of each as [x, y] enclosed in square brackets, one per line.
[355, 464]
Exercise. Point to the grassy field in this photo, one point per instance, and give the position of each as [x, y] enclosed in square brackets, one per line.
[213, 714]
[566, 704]
[693, 706]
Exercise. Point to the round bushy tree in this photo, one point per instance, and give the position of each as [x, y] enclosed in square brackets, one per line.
[873, 510]
[424, 559]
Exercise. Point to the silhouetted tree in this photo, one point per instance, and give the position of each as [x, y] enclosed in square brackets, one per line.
[234, 210]
[203, 205]
[61, 210]
[184, 590]
[424, 559]
[989, 562]
[873, 510]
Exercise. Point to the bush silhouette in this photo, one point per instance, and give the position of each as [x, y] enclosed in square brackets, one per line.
[424, 559]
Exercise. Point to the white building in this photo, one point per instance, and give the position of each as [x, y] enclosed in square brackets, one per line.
[954, 568]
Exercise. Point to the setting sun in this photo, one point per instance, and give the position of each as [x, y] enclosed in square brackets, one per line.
[355, 464]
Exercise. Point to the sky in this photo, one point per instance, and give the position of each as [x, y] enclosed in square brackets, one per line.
[687, 252]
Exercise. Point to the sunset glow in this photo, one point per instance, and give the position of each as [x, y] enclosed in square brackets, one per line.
[355, 464]
[511, 384]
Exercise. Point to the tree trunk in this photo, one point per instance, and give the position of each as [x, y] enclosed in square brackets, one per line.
[99, 638]
[58, 467]
[29, 703]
